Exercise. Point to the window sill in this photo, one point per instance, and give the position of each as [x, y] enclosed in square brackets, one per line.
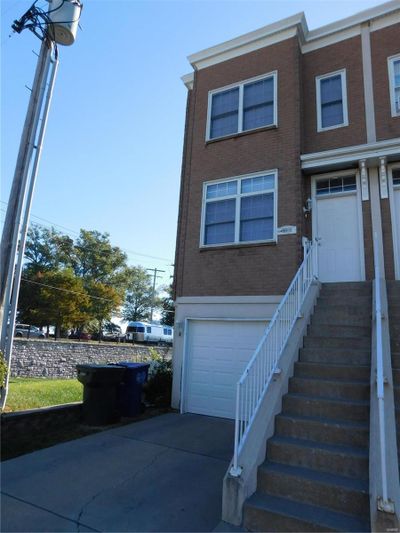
[237, 246]
[241, 134]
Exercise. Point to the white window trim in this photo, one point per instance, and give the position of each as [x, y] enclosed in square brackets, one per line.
[237, 242]
[391, 61]
[240, 85]
[395, 229]
[318, 79]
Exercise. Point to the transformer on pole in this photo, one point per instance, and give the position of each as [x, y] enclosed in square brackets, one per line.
[56, 26]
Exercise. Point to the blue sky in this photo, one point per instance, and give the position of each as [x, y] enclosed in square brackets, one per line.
[112, 153]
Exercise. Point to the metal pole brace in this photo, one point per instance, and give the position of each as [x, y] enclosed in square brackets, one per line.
[386, 506]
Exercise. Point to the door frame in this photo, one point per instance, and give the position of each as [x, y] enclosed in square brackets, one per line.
[314, 217]
[395, 230]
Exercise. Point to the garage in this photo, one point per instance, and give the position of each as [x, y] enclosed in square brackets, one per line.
[216, 355]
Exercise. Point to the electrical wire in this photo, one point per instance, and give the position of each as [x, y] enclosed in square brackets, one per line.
[130, 252]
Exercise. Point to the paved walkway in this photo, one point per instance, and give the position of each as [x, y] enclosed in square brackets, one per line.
[162, 474]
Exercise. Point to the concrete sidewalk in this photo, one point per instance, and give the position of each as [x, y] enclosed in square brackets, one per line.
[162, 474]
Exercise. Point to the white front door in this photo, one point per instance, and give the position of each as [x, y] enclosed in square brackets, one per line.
[395, 211]
[337, 226]
[217, 352]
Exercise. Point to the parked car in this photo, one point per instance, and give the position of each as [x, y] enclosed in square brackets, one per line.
[28, 331]
[80, 335]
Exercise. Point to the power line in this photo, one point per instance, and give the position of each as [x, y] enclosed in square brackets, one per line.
[131, 252]
[66, 290]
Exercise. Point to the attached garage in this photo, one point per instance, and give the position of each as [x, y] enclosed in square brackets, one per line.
[216, 354]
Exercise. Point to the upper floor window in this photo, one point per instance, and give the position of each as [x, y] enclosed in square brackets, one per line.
[394, 82]
[240, 210]
[245, 106]
[331, 101]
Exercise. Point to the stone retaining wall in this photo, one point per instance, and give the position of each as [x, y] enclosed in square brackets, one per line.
[58, 359]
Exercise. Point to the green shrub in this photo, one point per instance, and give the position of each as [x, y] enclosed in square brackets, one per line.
[3, 370]
[157, 390]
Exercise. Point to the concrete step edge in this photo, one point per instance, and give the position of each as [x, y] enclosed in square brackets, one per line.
[306, 513]
[341, 449]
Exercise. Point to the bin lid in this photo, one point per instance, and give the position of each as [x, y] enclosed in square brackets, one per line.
[129, 364]
[93, 367]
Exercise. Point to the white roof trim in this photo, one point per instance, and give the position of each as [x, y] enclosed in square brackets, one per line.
[382, 15]
[350, 154]
[188, 80]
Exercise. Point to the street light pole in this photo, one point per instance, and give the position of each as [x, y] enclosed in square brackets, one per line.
[49, 28]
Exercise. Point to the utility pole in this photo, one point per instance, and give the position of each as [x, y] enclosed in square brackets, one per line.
[56, 26]
[155, 270]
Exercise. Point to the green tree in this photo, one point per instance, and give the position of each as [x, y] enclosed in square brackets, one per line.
[96, 260]
[168, 308]
[104, 300]
[139, 293]
[65, 300]
[47, 249]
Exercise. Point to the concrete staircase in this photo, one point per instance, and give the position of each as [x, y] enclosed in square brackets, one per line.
[315, 476]
[393, 292]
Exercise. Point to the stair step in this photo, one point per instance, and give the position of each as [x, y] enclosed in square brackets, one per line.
[340, 493]
[335, 356]
[269, 513]
[395, 359]
[334, 371]
[319, 341]
[340, 432]
[359, 300]
[344, 390]
[338, 315]
[395, 343]
[346, 286]
[334, 409]
[326, 330]
[396, 376]
[343, 460]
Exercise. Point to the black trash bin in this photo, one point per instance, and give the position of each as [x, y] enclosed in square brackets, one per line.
[130, 390]
[100, 393]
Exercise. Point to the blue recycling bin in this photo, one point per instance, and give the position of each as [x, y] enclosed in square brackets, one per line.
[130, 390]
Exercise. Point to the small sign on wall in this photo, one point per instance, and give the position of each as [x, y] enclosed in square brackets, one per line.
[287, 230]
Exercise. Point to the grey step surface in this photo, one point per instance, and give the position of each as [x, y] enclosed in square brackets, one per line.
[329, 388]
[333, 371]
[317, 341]
[336, 459]
[340, 356]
[395, 359]
[334, 409]
[315, 476]
[344, 432]
[339, 331]
[269, 513]
[344, 494]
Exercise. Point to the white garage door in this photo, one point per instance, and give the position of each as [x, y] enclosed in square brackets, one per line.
[217, 353]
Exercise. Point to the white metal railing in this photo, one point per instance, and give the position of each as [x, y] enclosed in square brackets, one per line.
[253, 385]
[383, 502]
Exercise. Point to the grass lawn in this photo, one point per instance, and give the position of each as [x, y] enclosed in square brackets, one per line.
[29, 393]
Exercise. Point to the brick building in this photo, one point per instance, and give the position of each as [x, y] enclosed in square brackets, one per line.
[291, 135]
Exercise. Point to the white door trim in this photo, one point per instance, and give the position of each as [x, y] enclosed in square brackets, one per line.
[395, 229]
[186, 342]
[351, 172]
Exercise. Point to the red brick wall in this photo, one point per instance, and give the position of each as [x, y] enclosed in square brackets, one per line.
[243, 269]
[343, 55]
[384, 43]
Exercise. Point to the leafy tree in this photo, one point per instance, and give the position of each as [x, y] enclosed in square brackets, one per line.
[47, 249]
[104, 300]
[139, 294]
[65, 300]
[96, 260]
[168, 308]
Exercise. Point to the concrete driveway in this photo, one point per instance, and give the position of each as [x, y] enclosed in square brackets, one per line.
[162, 474]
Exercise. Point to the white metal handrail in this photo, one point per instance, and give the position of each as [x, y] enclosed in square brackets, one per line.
[384, 503]
[253, 385]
